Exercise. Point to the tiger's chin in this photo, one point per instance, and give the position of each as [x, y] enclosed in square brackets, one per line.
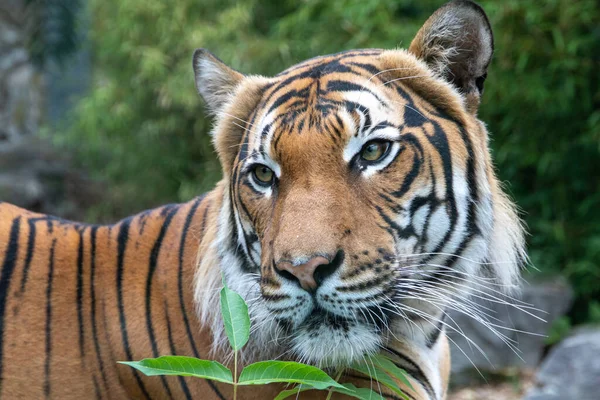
[328, 340]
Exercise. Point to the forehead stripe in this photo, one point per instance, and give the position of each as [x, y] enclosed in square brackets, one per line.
[318, 71]
[287, 96]
[359, 108]
[367, 67]
[321, 59]
[275, 87]
[345, 86]
[413, 117]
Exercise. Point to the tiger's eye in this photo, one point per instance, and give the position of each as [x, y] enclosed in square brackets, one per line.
[263, 174]
[374, 150]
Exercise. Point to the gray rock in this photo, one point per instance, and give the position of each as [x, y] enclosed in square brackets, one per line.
[571, 370]
[547, 300]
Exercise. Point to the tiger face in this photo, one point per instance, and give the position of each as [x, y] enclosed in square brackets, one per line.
[360, 197]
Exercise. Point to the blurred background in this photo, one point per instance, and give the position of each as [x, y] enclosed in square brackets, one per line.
[99, 118]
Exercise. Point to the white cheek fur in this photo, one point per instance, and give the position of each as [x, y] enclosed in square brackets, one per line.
[324, 346]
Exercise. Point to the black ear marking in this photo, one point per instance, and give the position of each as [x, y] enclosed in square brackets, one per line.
[479, 82]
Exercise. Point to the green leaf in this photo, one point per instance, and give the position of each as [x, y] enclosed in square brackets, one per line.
[182, 366]
[380, 376]
[235, 317]
[284, 394]
[347, 389]
[359, 393]
[264, 372]
[389, 367]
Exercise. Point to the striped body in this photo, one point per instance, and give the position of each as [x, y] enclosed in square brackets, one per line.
[78, 298]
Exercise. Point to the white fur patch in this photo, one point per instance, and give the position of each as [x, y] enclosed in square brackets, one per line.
[325, 346]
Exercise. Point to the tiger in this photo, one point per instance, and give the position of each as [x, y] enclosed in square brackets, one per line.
[358, 202]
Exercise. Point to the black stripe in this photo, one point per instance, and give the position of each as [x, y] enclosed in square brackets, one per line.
[382, 125]
[142, 219]
[166, 209]
[8, 267]
[122, 238]
[29, 256]
[110, 347]
[79, 292]
[246, 262]
[188, 330]
[286, 96]
[172, 210]
[278, 135]
[393, 228]
[440, 141]
[182, 382]
[355, 107]
[241, 157]
[93, 303]
[410, 177]
[97, 388]
[414, 371]
[340, 56]
[365, 285]
[435, 334]
[347, 86]
[434, 204]
[367, 67]
[472, 228]
[413, 117]
[49, 321]
[186, 227]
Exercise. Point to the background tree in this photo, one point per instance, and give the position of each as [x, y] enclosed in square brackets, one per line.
[143, 128]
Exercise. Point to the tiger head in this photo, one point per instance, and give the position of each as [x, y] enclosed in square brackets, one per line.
[359, 196]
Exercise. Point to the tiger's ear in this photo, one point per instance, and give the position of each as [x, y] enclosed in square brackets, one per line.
[215, 81]
[457, 43]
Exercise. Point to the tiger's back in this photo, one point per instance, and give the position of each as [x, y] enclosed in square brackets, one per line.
[79, 298]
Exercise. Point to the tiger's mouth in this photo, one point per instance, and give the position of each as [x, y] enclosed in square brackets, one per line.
[345, 313]
[320, 316]
[327, 339]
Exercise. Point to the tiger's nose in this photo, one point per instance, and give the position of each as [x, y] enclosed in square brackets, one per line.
[312, 273]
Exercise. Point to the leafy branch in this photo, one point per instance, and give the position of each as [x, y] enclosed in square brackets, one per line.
[307, 377]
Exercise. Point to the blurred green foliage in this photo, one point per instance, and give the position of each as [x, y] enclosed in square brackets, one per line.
[142, 127]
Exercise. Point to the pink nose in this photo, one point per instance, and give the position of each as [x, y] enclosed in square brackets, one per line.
[305, 273]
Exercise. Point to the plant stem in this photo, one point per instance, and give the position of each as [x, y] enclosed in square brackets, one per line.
[337, 378]
[235, 379]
